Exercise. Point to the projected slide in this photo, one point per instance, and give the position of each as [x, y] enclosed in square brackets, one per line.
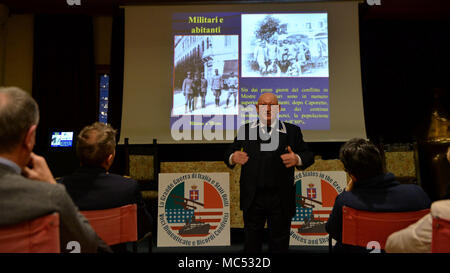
[284, 45]
[198, 86]
[224, 61]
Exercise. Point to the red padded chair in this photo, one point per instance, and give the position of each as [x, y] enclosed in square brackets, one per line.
[40, 235]
[114, 226]
[362, 227]
[440, 242]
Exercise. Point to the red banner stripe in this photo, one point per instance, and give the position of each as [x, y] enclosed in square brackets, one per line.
[321, 211]
[209, 220]
[208, 213]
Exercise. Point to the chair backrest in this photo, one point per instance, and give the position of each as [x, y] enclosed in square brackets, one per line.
[361, 227]
[440, 242]
[40, 235]
[116, 225]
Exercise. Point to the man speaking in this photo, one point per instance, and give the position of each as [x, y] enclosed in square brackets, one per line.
[268, 150]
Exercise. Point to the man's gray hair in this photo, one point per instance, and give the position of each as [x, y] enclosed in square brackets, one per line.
[18, 112]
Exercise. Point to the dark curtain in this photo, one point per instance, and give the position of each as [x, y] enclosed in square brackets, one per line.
[402, 63]
[63, 74]
[116, 86]
[116, 80]
[63, 83]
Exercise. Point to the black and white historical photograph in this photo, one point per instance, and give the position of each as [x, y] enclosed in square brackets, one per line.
[206, 75]
[284, 45]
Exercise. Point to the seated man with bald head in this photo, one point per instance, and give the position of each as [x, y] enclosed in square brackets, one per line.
[268, 150]
[92, 187]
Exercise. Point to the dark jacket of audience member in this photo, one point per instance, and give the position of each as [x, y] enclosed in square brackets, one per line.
[371, 189]
[382, 194]
[92, 187]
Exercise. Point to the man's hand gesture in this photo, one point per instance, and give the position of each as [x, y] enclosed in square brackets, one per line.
[38, 169]
[239, 157]
[290, 159]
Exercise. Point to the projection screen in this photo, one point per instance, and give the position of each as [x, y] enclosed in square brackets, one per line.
[208, 64]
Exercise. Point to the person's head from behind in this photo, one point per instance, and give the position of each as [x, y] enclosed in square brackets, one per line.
[361, 159]
[96, 145]
[19, 117]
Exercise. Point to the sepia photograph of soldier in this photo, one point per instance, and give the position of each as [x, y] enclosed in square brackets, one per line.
[188, 92]
[216, 85]
[203, 88]
[206, 80]
[233, 84]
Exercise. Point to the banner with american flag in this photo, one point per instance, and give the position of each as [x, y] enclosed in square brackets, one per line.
[315, 196]
[193, 209]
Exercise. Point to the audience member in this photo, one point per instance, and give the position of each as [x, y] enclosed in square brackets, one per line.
[27, 187]
[93, 188]
[417, 237]
[370, 189]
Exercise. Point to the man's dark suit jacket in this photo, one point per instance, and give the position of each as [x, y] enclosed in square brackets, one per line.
[94, 189]
[276, 175]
